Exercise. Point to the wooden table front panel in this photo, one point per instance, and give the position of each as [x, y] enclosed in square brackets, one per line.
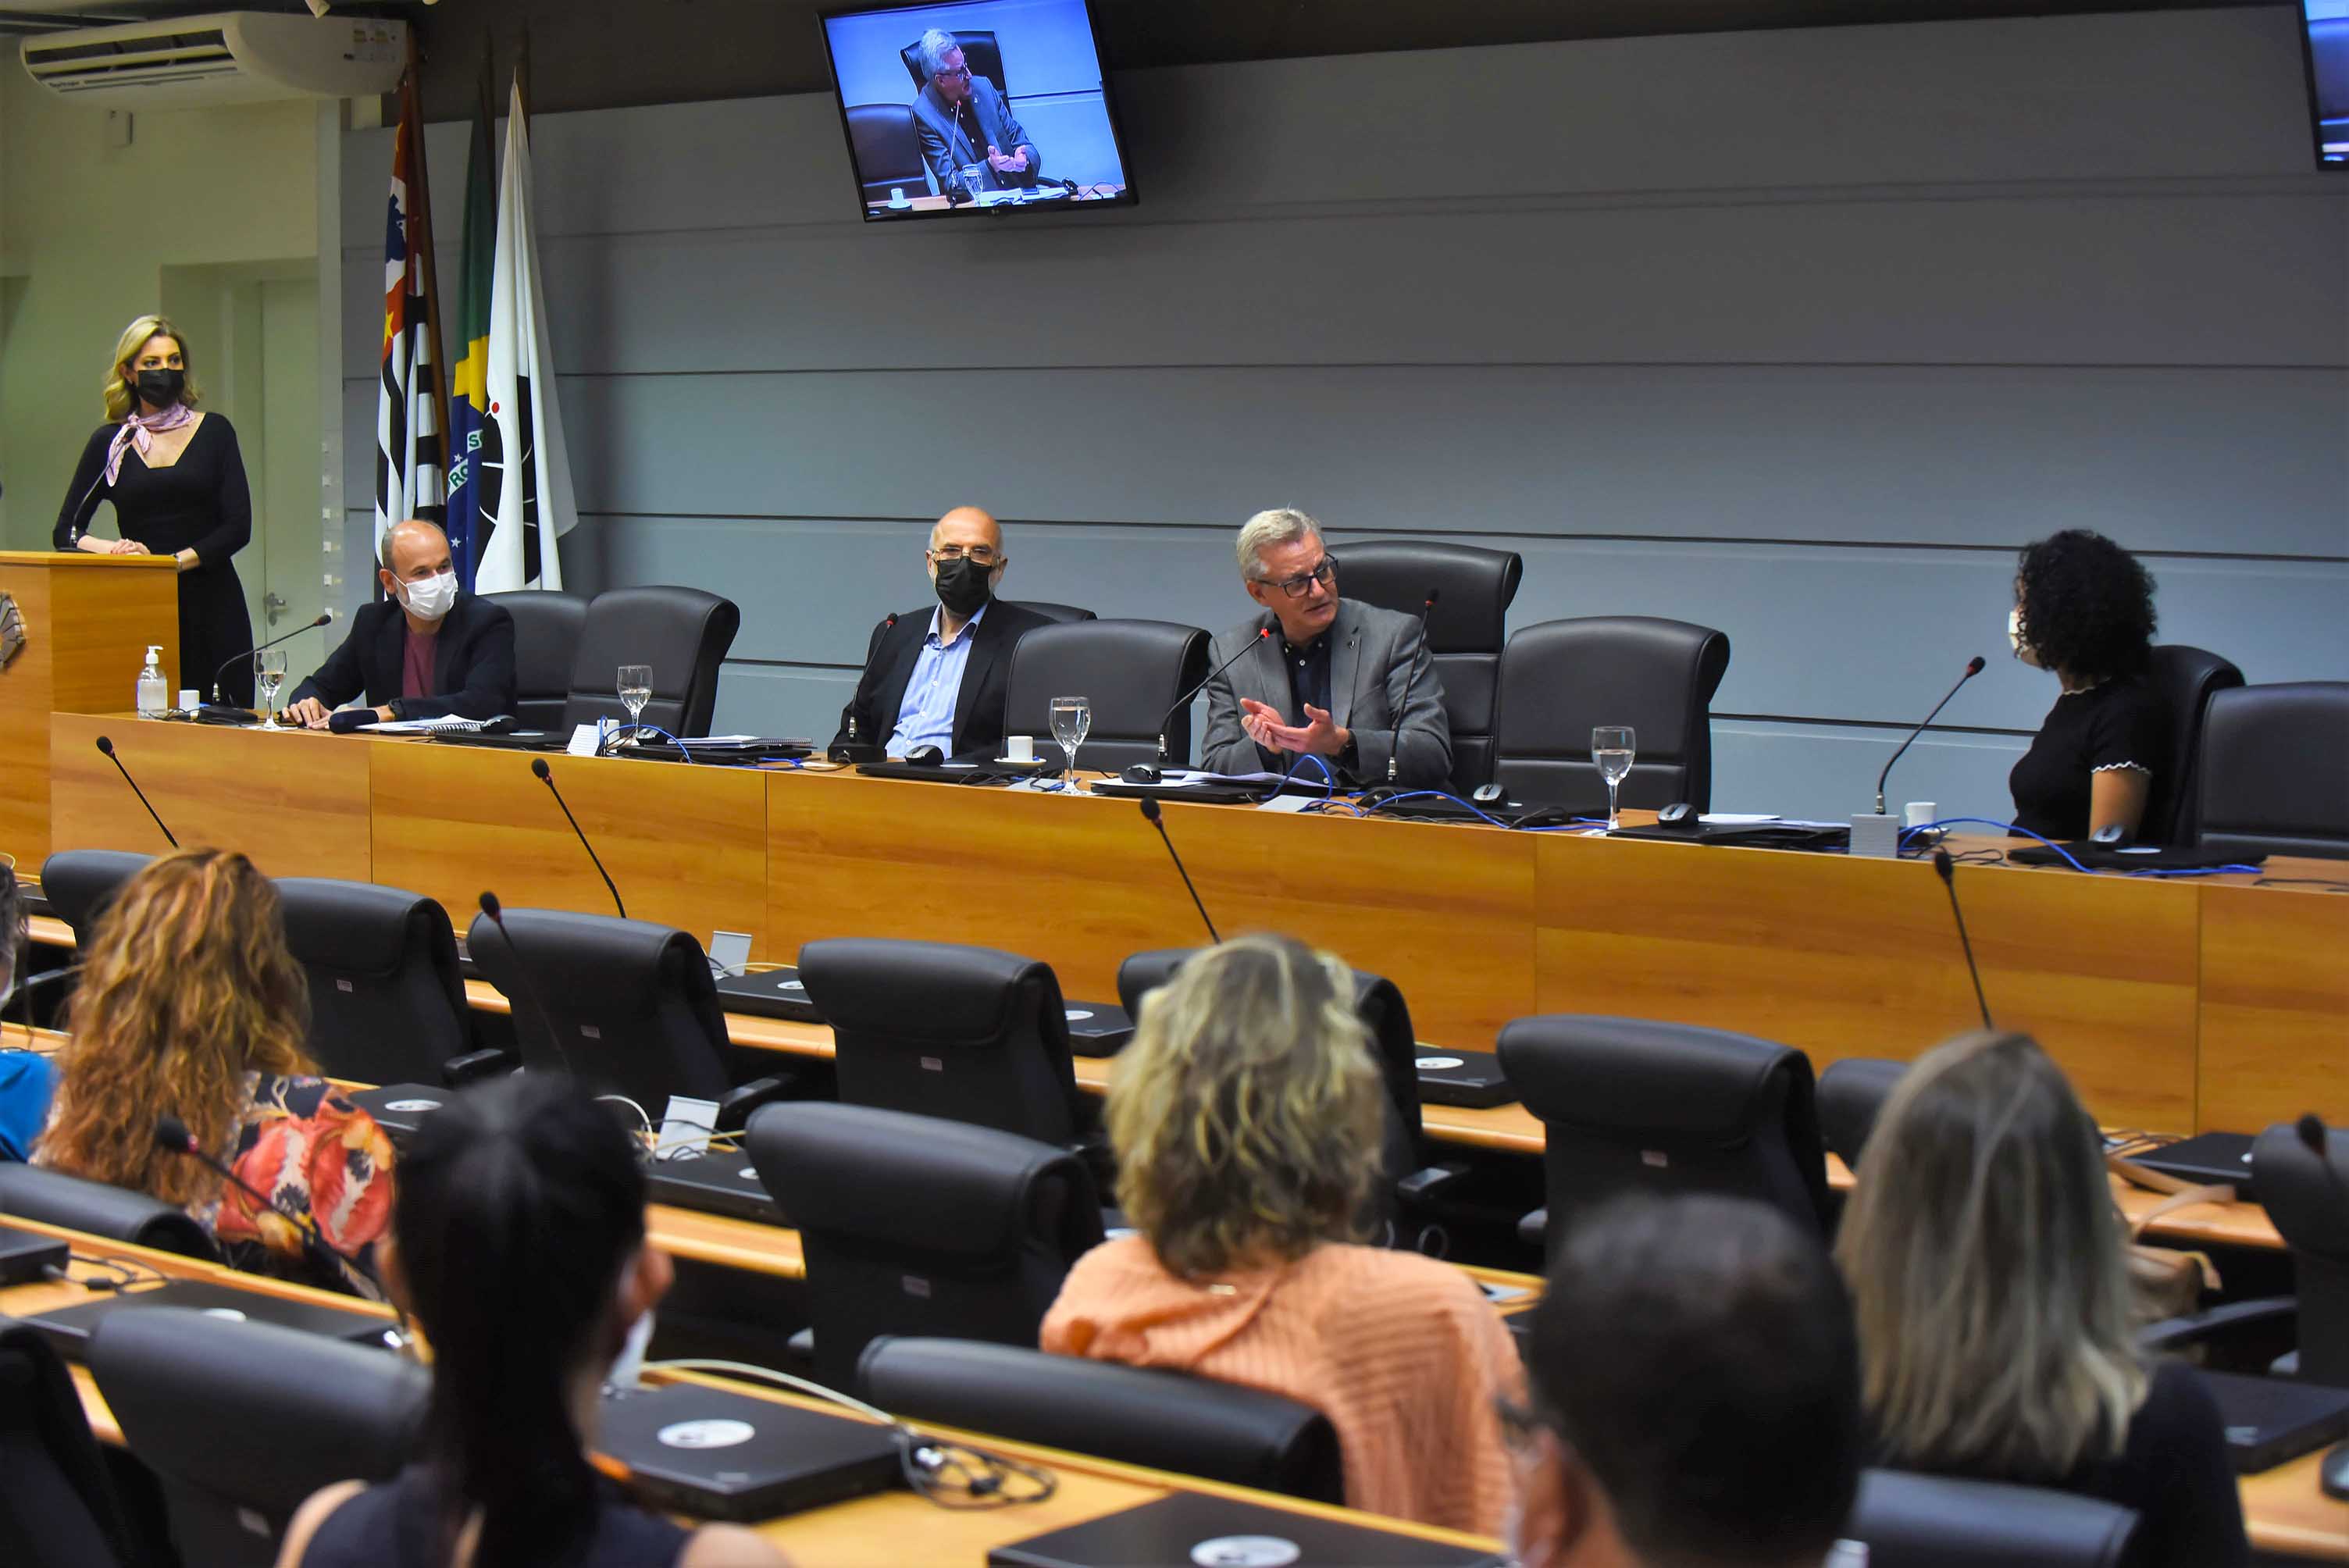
[293, 800]
[2275, 1002]
[686, 845]
[1445, 912]
[1844, 957]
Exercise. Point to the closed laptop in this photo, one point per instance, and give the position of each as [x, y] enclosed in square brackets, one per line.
[1192, 1529]
[713, 1454]
[2270, 1419]
[68, 1328]
[1471, 1079]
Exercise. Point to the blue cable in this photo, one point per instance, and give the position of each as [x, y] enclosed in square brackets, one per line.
[1444, 795]
[2195, 870]
[2002, 827]
[617, 733]
[1329, 779]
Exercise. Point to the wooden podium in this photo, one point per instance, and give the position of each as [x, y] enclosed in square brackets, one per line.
[88, 622]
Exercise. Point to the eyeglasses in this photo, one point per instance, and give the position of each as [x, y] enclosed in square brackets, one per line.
[963, 72]
[1297, 587]
[978, 553]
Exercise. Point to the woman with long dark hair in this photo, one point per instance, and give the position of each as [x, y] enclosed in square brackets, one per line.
[519, 1249]
[2083, 613]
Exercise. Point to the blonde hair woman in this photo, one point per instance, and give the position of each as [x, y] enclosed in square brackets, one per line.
[1991, 1289]
[177, 481]
[1246, 1117]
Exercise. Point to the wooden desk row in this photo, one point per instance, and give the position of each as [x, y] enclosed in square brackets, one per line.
[2173, 1004]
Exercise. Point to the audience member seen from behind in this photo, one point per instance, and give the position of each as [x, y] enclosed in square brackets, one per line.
[1246, 1117]
[26, 1077]
[190, 1006]
[1695, 1394]
[1988, 1269]
[2083, 613]
[519, 1249]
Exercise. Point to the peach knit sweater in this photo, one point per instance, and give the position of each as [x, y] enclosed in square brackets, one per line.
[1401, 1352]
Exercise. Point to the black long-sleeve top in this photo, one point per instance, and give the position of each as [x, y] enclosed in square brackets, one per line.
[199, 503]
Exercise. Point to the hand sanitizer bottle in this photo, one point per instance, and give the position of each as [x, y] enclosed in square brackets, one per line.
[154, 696]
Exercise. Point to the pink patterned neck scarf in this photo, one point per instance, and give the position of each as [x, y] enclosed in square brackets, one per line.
[139, 431]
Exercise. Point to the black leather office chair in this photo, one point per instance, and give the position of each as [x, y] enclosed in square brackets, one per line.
[1464, 632]
[1132, 670]
[1941, 1522]
[1851, 1096]
[2275, 770]
[2306, 1193]
[979, 52]
[1633, 1103]
[968, 1034]
[80, 883]
[1562, 679]
[626, 1006]
[887, 150]
[2182, 678]
[386, 1000]
[682, 633]
[59, 1506]
[917, 1225]
[117, 1214]
[1133, 1415]
[240, 1421]
[547, 626]
[1059, 614]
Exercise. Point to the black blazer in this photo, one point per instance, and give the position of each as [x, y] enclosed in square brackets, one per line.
[472, 663]
[979, 702]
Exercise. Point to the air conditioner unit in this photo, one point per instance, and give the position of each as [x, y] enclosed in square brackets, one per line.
[223, 57]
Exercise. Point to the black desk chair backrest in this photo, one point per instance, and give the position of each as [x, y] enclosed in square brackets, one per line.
[917, 1225]
[1464, 632]
[931, 1028]
[2275, 770]
[2307, 1196]
[117, 1214]
[1945, 1521]
[1060, 615]
[682, 633]
[979, 52]
[1562, 679]
[1670, 1107]
[887, 150]
[547, 626]
[387, 999]
[629, 1008]
[1132, 671]
[80, 883]
[1851, 1096]
[240, 1421]
[59, 1506]
[2182, 679]
[1133, 1415]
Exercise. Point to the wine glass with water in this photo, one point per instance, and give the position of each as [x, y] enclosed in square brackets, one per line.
[1612, 746]
[269, 674]
[635, 690]
[1072, 720]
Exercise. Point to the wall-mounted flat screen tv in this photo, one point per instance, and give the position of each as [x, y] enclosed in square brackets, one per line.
[979, 107]
[2327, 41]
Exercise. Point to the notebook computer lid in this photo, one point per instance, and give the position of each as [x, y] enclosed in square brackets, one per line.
[1193, 1529]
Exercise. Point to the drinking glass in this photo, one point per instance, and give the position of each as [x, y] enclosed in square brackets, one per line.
[1073, 718]
[635, 690]
[1612, 746]
[269, 674]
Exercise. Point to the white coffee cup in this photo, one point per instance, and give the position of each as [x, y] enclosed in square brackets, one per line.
[1019, 747]
[1919, 813]
[191, 699]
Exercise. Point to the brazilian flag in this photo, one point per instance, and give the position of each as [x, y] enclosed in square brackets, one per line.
[469, 397]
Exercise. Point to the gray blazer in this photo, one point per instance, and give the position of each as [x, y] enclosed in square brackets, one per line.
[1372, 658]
[950, 140]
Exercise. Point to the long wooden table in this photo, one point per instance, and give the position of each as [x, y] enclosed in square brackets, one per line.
[2177, 1003]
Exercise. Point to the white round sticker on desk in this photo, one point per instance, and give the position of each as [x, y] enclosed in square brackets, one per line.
[413, 1105]
[708, 1434]
[792, 985]
[1439, 1064]
[1077, 1015]
[1246, 1551]
[227, 1312]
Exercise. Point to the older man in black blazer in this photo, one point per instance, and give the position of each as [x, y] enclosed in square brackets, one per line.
[427, 651]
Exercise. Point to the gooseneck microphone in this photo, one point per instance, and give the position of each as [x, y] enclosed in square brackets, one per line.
[546, 777]
[1395, 751]
[326, 618]
[888, 625]
[173, 1136]
[496, 912]
[1973, 668]
[1158, 820]
[1177, 704]
[1948, 869]
[106, 747]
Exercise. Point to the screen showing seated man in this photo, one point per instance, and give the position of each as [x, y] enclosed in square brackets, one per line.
[2328, 71]
[984, 104]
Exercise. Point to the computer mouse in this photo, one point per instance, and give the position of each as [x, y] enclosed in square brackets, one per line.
[1142, 773]
[2111, 836]
[926, 757]
[1486, 794]
[1679, 814]
[2334, 1475]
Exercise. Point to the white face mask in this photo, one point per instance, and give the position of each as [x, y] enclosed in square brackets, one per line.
[431, 598]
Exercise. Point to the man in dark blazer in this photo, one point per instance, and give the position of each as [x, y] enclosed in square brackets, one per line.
[425, 651]
[939, 677]
[1329, 682]
[964, 123]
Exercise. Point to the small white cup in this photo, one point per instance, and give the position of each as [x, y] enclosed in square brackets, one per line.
[898, 196]
[191, 699]
[1917, 813]
[1019, 747]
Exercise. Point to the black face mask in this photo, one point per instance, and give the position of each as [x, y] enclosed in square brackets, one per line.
[161, 388]
[963, 587]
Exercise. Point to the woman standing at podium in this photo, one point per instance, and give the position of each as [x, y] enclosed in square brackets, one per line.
[177, 481]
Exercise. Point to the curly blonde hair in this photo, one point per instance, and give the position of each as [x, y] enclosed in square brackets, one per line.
[122, 381]
[187, 987]
[1247, 1114]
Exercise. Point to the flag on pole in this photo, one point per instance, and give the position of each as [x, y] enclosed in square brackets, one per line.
[469, 397]
[410, 458]
[526, 469]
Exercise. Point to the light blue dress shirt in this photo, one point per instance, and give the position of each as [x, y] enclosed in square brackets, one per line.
[926, 716]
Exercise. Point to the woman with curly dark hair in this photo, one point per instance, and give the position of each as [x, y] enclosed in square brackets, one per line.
[2083, 613]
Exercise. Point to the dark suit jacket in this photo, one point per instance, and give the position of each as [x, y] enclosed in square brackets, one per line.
[472, 663]
[1372, 655]
[978, 701]
[950, 138]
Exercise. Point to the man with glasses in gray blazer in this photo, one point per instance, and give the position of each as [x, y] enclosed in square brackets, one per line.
[965, 124]
[1331, 679]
